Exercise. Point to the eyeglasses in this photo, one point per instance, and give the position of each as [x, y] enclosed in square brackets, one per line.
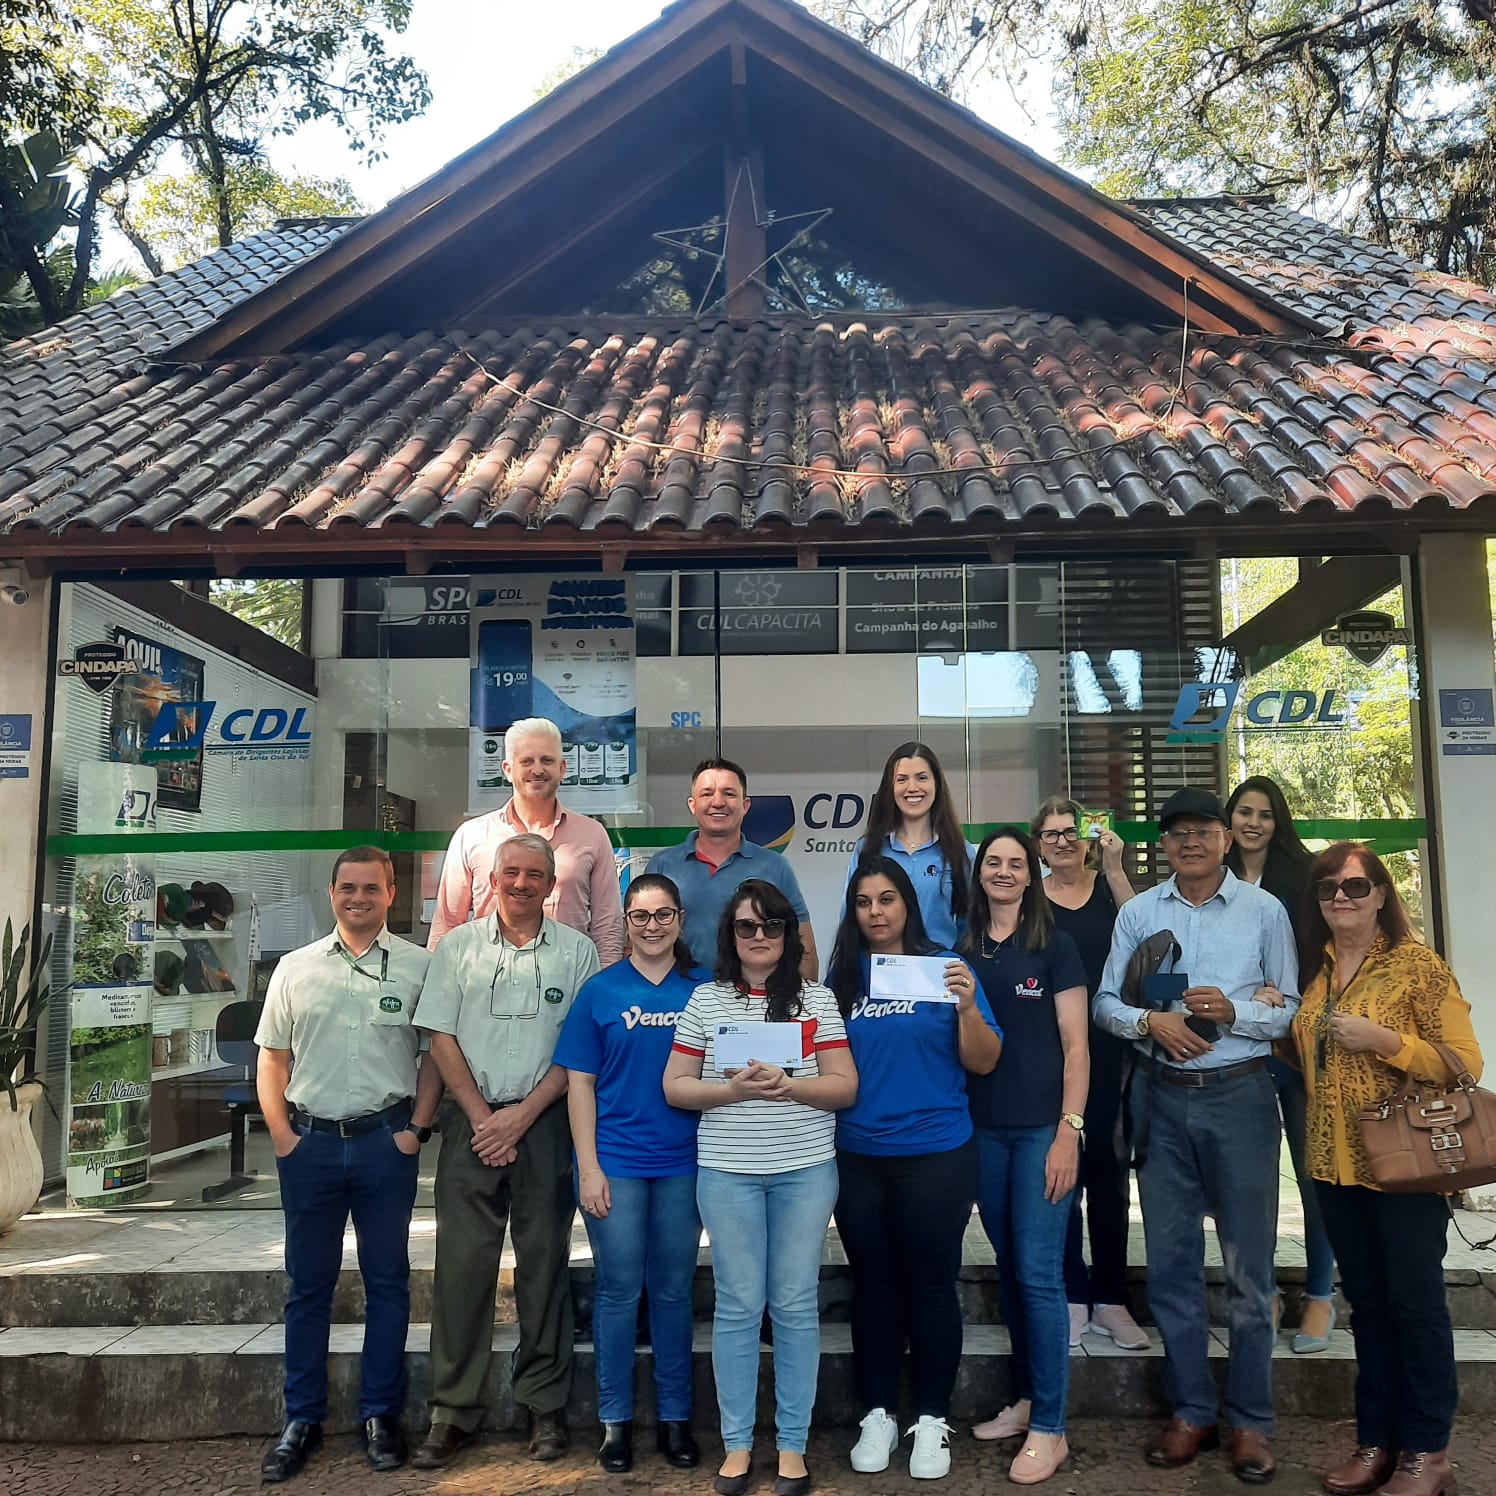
[747, 929]
[1064, 834]
[509, 995]
[1352, 888]
[1186, 834]
[664, 918]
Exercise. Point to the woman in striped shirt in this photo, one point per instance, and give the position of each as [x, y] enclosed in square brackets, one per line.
[766, 1179]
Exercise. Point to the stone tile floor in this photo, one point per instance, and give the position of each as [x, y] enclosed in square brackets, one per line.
[1106, 1461]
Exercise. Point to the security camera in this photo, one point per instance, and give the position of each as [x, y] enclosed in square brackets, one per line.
[16, 596]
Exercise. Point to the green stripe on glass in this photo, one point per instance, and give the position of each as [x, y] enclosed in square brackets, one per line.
[1388, 835]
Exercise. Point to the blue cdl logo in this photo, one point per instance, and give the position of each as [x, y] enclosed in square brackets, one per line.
[181, 731]
[1274, 711]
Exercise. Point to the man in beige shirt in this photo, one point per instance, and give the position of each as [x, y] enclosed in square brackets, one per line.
[347, 1127]
[495, 998]
[585, 895]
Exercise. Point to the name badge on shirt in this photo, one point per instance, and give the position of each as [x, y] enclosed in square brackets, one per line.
[390, 1005]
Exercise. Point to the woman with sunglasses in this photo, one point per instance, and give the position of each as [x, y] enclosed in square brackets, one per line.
[907, 1163]
[766, 1179]
[1086, 886]
[1028, 1116]
[912, 820]
[636, 1170]
[1266, 850]
[1375, 1002]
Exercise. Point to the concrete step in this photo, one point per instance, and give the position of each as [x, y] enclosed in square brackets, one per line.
[114, 1383]
[255, 1294]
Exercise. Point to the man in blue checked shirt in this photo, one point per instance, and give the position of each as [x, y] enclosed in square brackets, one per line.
[1213, 1130]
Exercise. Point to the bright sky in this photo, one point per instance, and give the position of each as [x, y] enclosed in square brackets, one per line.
[485, 61]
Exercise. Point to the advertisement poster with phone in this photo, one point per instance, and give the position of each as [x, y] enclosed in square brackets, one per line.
[164, 675]
[113, 930]
[561, 648]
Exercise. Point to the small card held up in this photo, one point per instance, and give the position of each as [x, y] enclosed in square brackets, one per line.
[1093, 823]
[735, 1044]
[919, 979]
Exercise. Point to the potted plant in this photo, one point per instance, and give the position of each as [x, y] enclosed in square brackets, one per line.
[24, 990]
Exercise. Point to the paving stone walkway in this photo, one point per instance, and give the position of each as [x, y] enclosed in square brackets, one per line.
[1106, 1461]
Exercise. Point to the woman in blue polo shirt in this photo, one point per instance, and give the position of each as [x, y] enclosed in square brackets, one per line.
[1029, 1113]
[636, 1169]
[913, 821]
[907, 1165]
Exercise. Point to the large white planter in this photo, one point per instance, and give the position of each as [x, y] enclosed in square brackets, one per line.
[20, 1159]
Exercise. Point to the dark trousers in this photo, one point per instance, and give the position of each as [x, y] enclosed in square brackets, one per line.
[901, 1221]
[1104, 1184]
[1391, 1254]
[1212, 1151]
[474, 1205]
[323, 1180]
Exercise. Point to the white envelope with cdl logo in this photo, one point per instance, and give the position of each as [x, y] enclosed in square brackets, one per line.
[919, 979]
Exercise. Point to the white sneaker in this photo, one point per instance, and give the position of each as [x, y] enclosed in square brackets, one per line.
[1114, 1321]
[880, 1437]
[931, 1456]
[1080, 1322]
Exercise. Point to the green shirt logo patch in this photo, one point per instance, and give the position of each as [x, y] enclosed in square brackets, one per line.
[554, 995]
[390, 1005]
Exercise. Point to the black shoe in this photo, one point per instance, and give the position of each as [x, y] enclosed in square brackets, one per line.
[792, 1485]
[548, 1438]
[384, 1444]
[674, 1441]
[441, 1446]
[617, 1453]
[298, 1440]
[733, 1485]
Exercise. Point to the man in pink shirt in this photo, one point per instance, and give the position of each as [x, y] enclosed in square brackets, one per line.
[585, 895]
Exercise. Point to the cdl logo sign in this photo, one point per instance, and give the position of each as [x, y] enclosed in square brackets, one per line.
[1203, 711]
[181, 730]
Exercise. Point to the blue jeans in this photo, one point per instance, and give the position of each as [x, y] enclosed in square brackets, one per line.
[1212, 1150]
[649, 1236]
[1027, 1233]
[767, 1231]
[322, 1180]
[1319, 1255]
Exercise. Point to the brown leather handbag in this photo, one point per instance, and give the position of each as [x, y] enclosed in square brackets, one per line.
[1428, 1139]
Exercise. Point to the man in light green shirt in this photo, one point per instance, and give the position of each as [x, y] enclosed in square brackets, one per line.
[337, 1083]
[496, 995]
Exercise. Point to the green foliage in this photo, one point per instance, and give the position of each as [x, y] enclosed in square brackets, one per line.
[38, 90]
[24, 990]
[1378, 115]
[200, 85]
[176, 213]
[272, 605]
[100, 931]
[1363, 772]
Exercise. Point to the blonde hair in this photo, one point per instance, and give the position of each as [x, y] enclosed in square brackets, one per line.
[530, 727]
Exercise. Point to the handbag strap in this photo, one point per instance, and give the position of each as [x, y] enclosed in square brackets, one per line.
[1462, 1077]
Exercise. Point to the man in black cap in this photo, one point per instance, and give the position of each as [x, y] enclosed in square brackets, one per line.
[1213, 1133]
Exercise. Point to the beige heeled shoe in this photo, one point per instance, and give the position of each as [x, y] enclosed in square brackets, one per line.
[1012, 1421]
[1040, 1457]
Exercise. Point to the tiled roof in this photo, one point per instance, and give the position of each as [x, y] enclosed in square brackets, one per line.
[1004, 421]
[1373, 295]
[163, 311]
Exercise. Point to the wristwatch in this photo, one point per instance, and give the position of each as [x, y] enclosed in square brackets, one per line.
[1075, 1120]
[423, 1134]
[1144, 1019]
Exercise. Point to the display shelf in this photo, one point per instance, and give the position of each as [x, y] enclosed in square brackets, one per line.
[194, 1067]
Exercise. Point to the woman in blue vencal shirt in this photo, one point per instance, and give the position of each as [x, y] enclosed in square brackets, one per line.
[907, 1165]
[1029, 1114]
[636, 1169]
[912, 820]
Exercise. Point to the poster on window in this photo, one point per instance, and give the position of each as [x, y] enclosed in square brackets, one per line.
[165, 676]
[113, 934]
[562, 648]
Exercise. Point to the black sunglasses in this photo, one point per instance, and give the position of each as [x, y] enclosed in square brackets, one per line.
[746, 929]
[1352, 888]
